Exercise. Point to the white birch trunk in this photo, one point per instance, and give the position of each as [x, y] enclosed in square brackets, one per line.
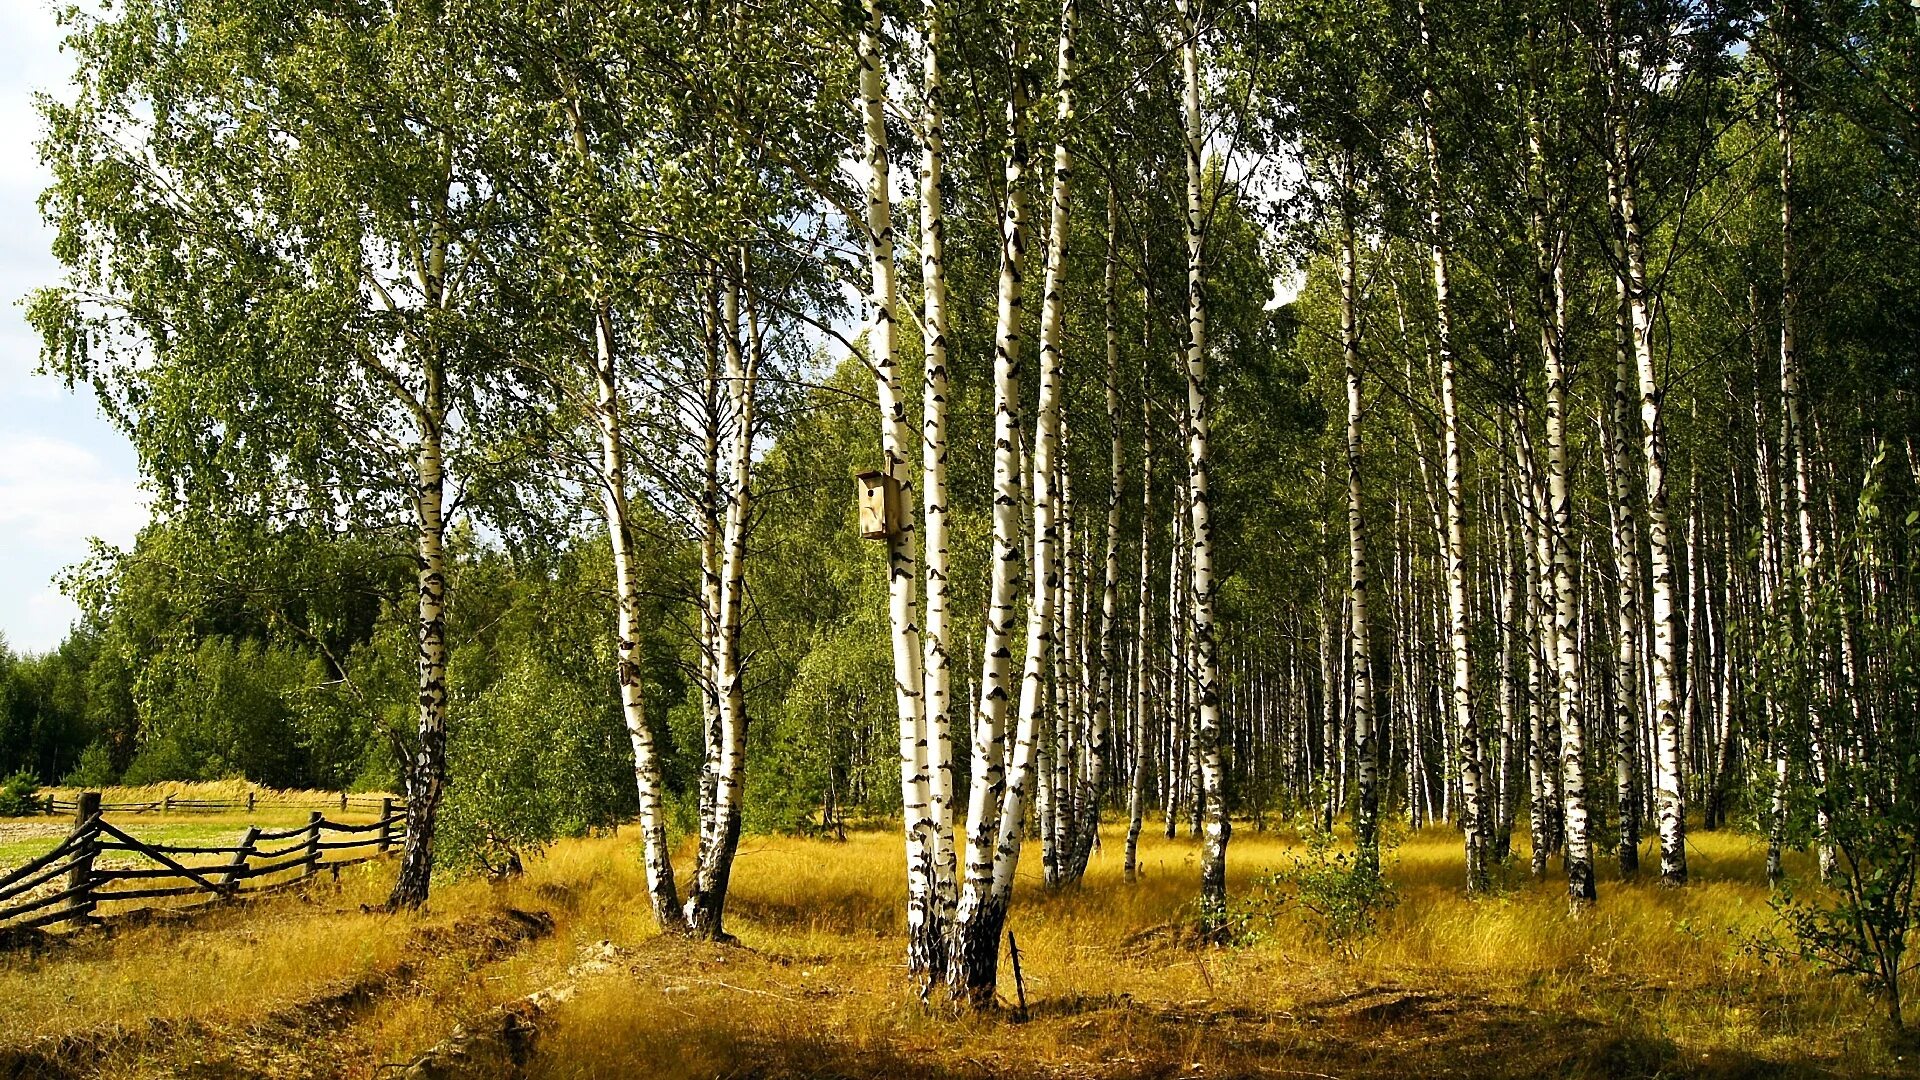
[1366, 813]
[1212, 796]
[657, 857]
[1455, 554]
[426, 774]
[706, 900]
[1669, 801]
[1045, 568]
[896, 436]
[1087, 819]
[1143, 630]
[937, 660]
[1614, 421]
[975, 946]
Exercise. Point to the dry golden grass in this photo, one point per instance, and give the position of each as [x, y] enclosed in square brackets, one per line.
[236, 791]
[1652, 982]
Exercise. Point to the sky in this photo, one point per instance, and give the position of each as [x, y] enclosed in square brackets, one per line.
[66, 475]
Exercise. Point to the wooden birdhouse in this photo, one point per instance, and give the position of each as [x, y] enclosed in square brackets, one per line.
[880, 510]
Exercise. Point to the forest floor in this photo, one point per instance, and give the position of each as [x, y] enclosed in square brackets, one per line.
[562, 972]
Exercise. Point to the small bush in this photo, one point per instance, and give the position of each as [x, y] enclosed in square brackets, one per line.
[19, 796]
[1340, 896]
[94, 769]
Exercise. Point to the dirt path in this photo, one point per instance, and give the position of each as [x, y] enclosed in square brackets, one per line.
[15, 831]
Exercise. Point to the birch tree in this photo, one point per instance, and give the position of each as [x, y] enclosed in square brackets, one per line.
[211, 256]
[896, 436]
[979, 924]
[975, 951]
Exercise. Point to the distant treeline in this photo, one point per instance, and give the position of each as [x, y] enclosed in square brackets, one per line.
[211, 650]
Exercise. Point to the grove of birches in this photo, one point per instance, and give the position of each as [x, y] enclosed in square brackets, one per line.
[1344, 414]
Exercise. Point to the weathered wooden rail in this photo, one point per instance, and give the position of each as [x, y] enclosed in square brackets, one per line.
[173, 805]
[66, 885]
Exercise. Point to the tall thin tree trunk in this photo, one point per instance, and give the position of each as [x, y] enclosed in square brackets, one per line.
[1669, 798]
[936, 661]
[896, 438]
[662, 890]
[1212, 794]
[1614, 421]
[1799, 490]
[1552, 288]
[426, 772]
[1087, 802]
[706, 899]
[983, 912]
[1143, 613]
[1366, 814]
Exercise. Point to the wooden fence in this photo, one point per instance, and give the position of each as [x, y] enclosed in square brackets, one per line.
[66, 885]
[367, 804]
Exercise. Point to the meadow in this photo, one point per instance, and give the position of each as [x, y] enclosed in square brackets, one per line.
[560, 973]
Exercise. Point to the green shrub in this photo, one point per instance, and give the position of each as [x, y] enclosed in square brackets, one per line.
[94, 769]
[19, 796]
[1340, 897]
[533, 758]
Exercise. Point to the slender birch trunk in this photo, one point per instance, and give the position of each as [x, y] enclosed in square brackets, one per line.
[706, 900]
[1799, 490]
[1366, 814]
[710, 574]
[1540, 630]
[896, 438]
[1614, 422]
[1473, 828]
[657, 857]
[1174, 773]
[1143, 626]
[1054, 793]
[936, 662]
[1512, 736]
[980, 924]
[1212, 796]
[1670, 801]
[1550, 256]
[1087, 802]
[974, 952]
[427, 772]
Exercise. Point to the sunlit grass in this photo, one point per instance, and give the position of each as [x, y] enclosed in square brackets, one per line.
[1651, 981]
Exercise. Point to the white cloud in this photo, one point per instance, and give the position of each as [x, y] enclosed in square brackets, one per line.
[42, 621]
[56, 495]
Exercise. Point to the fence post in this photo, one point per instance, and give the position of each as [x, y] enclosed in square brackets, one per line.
[239, 864]
[249, 802]
[86, 808]
[386, 823]
[313, 844]
[343, 802]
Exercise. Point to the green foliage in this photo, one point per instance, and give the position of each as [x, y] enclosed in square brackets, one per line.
[1339, 896]
[94, 770]
[534, 758]
[1860, 923]
[19, 796]
[227, 709]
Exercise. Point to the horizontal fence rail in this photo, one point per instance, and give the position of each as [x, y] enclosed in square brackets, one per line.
[69, 883]
[171, 805]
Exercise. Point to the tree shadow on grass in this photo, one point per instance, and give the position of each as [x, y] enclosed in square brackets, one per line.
[1381, 1032]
